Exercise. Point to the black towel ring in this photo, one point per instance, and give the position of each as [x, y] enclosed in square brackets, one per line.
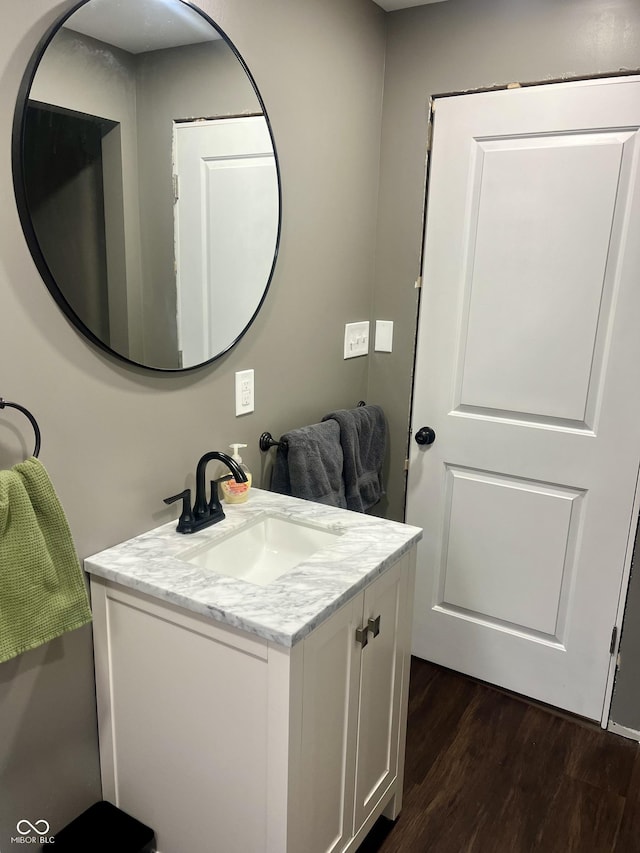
[27, 413]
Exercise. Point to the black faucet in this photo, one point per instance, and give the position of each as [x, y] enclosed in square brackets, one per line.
[205, 513]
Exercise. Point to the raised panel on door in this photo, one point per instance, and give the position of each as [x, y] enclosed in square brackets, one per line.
[380, 685]
[536, 288]
[508, 553]
[527, 362]
[329, 724]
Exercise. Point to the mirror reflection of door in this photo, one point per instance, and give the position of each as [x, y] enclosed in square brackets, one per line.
[226, 217]
[131, 71]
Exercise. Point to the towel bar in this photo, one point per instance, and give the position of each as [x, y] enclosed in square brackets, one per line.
[267, 441]
[27, 413]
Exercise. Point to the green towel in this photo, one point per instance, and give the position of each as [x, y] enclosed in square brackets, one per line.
[42, 589]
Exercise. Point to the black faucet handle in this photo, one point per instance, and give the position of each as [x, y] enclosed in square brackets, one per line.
[186, 520]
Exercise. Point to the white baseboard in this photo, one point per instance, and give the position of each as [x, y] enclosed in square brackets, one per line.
[617, 729]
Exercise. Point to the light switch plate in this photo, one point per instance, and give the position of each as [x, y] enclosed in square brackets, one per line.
[384, 336]
[244, 392]
[356, 339]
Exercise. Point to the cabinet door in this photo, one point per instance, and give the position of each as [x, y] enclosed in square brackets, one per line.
[380, 685]
[182, 710]
[329, 729]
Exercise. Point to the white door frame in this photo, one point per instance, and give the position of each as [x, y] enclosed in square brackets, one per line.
[635, 516]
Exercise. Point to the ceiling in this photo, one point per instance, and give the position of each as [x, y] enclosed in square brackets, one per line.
[175, 25]
[142, 26]
[392, 5]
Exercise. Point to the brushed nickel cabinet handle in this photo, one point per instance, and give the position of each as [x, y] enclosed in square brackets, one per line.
[374, 626]
[362, 636]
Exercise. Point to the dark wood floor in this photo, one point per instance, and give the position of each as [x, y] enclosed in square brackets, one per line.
[490, 773]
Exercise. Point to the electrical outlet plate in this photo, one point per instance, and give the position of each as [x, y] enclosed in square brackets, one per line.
[244, 392]
[384, 336]
[356, 339]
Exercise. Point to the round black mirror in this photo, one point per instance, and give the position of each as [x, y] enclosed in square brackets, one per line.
[147, 180]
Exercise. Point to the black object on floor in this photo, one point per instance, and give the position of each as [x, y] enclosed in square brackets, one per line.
[104, 828]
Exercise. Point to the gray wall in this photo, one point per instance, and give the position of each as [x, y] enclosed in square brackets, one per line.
[117, 440]
[451, 47]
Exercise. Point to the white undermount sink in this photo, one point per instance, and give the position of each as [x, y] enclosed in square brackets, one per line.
[262, 550]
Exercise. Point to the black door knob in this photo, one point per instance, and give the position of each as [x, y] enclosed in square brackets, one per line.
[425, 435]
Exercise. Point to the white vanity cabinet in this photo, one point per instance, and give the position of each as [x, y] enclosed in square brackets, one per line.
[224, 741]
[353, 725]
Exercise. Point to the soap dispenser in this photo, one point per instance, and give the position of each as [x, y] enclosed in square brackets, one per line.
[236, 493]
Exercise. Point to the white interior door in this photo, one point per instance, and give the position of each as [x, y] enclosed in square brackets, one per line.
[226, 227]
[528, 369]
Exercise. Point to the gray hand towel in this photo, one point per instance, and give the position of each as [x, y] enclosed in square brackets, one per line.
[363, 435]
[311, 468]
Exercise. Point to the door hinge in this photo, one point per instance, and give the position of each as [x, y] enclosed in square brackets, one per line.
[431, 108]
[406, 465]
[176, 188]
[418, 283]
[614, 637]
[429, 135]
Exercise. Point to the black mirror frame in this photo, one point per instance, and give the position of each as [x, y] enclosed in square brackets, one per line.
[19, 185]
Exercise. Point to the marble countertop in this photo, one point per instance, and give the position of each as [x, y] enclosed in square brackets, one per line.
[285, 610]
